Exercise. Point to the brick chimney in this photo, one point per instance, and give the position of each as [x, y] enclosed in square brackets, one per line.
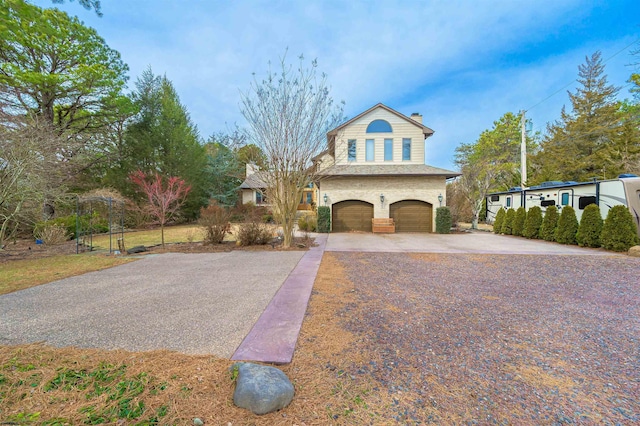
[416, 117]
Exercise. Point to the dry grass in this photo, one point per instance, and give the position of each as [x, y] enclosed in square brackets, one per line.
[41, 384]
[20, 274]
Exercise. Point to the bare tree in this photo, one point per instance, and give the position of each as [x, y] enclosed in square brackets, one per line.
[475, 183]
[289, 114]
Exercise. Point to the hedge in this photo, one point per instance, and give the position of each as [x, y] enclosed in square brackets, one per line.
[507, 225]
[590, 227]
[443, 220]
[567, 226]
[518, 221]
[324, 219]
[497, 223]
[532, 223]
[619, 233]
[549, 223]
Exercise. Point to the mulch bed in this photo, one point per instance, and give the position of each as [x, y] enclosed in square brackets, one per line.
[471, 339]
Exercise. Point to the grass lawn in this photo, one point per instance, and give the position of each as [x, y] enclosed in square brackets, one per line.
[21, 274]
[152, 237]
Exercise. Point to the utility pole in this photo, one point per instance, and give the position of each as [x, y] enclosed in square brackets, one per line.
[523, 151]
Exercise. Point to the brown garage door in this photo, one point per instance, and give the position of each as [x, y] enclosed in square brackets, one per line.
[351, 215]
[411, 216]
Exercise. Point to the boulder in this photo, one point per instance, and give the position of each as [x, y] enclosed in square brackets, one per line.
[136, 249]
[261, 389]
[634, 251]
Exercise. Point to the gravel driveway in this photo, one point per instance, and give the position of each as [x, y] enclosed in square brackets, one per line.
[498, 339]
[192, 303]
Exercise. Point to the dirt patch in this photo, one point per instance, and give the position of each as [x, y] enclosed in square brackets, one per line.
[28, 249]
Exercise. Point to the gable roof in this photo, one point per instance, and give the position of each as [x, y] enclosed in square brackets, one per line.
[425, 130]
[254, 181]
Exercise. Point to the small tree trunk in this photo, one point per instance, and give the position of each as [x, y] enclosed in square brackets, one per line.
[474, 222]
[162, 233]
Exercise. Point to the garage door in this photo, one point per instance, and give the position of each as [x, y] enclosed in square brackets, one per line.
[411, 216]
[352, 216]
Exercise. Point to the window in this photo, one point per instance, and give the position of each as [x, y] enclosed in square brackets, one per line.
[352, 150]
[547, 203]
[406, 149]
[388, 150]
[309, 198]
[379, 126]
[565, 199]
[370, 150]
[585, 201]
[495, 198]
[508, 202]
[260, 198]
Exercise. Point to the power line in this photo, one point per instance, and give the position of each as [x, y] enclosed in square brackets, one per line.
[573, 81]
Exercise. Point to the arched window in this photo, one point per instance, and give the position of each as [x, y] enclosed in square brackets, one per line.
[379, 126]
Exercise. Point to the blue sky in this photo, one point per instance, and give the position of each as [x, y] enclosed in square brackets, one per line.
[461, 64]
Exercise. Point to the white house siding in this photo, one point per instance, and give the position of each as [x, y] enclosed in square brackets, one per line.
[401, 129]
[248, 196]
[394, 188]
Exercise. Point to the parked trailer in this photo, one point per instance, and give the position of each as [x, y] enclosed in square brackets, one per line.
[625, 190]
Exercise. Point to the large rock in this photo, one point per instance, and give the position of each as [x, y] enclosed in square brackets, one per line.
[137, 249]
[634, 251]
[261, 389]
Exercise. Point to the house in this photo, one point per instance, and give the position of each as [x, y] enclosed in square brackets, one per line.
[254, 190]
[374, 168]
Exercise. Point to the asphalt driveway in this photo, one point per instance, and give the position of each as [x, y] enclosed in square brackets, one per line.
[192, 303]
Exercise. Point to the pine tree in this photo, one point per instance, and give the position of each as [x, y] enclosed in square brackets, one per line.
[575, 147]
[533, 223]
[590, 227]
[567, 226]
[549, 223]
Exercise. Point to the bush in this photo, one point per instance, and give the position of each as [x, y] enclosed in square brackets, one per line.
[443, 220]
[52, 234]
[619, 233]
[518, 221]
[324, 219]
[507, 225]
[532, 223]
[497, 223]
[549, 224]
[590, 227]
[215, 221]
[253, 233]
[88, 224]
[567, 226]
[308, 223]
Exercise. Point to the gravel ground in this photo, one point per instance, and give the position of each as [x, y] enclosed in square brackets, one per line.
[499, 339]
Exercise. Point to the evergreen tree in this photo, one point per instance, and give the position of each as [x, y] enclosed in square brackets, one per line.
[549, 223]
[497, 224]
[161, 138]
[575, 147]
[619, 233]
[590, 227]
[533, 223]
[507, 225]
[567, 226]
[518, 221]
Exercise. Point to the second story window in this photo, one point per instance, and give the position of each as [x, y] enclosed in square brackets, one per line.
[388, 150]
[351, 151]
[406, 149]
[379, 126]
[370, 149]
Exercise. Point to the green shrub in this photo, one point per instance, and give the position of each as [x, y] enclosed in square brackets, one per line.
[443, 220]
[324, 219]
[518, 221]
[590, 227]
[308, 223]
[497, 223]
[533, 223]
[215, 221]
[507, 225]
[88, 223]
[549, 224]
[567, 226]
[619, 233]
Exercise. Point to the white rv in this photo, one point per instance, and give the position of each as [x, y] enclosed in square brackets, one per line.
[625, 190]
